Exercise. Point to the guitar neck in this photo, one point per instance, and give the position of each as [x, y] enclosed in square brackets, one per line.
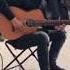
[36, 23]
[53, 22]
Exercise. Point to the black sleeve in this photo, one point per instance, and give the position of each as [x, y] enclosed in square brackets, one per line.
[53, 6]
[64, 12]
[4, 9]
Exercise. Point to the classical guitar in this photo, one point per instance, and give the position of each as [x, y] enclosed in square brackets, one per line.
[33, 18]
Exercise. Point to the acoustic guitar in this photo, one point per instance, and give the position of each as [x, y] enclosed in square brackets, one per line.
[33, 18]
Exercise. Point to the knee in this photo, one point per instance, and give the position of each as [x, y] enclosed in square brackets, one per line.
[43, 37]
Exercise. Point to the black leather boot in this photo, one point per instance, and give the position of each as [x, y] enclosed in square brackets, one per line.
[53, 65]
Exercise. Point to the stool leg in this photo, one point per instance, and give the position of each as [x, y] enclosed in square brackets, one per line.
[14, 57]
[33, 54]
[28, 57]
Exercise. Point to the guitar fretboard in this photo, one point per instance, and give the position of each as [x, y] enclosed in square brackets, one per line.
[48, 22]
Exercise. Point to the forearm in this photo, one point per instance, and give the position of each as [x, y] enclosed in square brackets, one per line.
[4, 9]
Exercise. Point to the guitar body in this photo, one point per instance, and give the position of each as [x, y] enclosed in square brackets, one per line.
[6, 26]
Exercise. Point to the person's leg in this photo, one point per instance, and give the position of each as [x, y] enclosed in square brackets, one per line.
[41, 40]
[58, 40]
[43, 51]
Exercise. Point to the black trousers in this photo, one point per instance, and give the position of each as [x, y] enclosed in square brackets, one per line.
[39, 39]
[58, 38]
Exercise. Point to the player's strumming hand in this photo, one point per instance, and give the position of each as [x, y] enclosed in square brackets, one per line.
[21, 26]
[17, 24]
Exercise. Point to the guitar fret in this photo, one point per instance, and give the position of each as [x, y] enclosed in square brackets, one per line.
[51, 22]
